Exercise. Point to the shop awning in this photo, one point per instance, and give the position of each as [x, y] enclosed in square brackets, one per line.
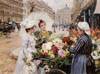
[97, 9]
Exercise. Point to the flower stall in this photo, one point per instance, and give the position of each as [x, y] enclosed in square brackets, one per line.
[54, 53]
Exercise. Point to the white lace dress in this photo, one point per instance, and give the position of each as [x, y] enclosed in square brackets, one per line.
[28, 46]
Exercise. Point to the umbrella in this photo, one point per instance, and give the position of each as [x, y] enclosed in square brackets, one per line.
[37, 16]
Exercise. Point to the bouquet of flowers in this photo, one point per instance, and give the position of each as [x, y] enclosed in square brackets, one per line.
[53, 54]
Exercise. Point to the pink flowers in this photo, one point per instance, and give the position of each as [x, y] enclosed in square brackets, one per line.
[37, 62]
[62, 53]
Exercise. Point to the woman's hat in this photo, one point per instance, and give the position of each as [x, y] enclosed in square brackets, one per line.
[31, 24]
[84, 26]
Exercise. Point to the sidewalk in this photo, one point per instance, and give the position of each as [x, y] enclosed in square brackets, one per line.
[7, 65]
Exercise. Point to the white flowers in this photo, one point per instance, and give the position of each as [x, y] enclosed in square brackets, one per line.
[47, 46]
[96, 54]
[58, 43]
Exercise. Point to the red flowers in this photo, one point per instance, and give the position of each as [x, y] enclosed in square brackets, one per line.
[54, 49]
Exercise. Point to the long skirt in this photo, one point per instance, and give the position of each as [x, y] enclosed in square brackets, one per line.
[81, 64]
[22, 68]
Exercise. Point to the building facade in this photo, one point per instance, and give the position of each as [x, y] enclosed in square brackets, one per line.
[36, 5]
[82, 7]
[63, 16]
[12, 9]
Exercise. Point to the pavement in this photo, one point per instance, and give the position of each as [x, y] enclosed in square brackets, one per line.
[7, 64]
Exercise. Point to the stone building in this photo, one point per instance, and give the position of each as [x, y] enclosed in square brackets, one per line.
[37, 5]
[63, 16]
[11, 9]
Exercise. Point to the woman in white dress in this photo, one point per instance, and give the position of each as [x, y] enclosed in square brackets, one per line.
[24, 62]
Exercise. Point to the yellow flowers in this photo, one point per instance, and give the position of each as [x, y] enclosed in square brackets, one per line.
[51, 54]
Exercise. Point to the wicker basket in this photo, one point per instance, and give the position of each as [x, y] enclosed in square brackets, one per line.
[56, 71]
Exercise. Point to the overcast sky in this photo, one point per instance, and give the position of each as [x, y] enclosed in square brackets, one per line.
[58, 4]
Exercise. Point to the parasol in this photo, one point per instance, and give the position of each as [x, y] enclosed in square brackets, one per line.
[36, 16]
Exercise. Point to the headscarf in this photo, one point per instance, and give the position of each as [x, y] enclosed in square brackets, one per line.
[85, 27]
